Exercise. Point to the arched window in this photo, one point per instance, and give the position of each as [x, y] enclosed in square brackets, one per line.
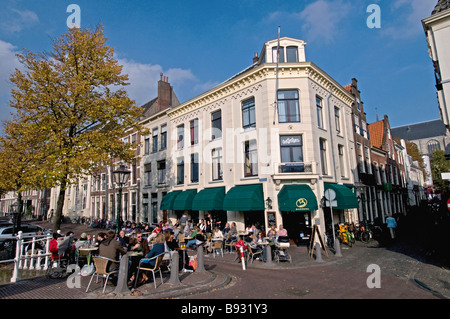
[433, 146]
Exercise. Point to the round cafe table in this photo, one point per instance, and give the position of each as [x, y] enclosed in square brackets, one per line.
[90, 250]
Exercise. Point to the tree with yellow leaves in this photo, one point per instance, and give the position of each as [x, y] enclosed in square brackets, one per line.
[74, 100]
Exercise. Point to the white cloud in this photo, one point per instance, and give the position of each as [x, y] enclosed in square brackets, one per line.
[409, 14]
[16, 20]
[8, 63]
[143, 79]
[321, 19]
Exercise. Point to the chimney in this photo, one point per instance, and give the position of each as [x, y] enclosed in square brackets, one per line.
[164, 92]
[255, 58]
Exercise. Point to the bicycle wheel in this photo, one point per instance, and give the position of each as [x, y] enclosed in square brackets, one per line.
[365, 237]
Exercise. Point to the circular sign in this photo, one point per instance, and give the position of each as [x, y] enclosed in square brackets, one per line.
[330, 194]
[448, 204]
[301, 202]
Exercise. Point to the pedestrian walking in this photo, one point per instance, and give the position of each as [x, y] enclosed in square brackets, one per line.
[391, 224]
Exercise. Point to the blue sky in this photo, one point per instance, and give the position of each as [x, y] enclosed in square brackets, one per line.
[199, 44]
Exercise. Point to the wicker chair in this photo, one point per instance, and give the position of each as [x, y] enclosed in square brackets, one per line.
[158, 261]
[217, 247]
[253, 254]
[101, 266]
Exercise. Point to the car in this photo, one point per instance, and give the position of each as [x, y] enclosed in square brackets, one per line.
[7, 237]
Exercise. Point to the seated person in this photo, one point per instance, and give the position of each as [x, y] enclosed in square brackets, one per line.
[197, 240]
[110, 248]
[172, 243]
[282, 231]
[157, 249]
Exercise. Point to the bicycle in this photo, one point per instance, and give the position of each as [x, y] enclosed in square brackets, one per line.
[364, 233]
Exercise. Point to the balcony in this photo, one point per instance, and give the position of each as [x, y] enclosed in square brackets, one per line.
[296, 168]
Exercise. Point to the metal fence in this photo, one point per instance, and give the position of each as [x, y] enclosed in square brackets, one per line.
[32, 252]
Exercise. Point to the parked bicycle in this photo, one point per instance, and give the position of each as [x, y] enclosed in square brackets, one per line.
[364, 233]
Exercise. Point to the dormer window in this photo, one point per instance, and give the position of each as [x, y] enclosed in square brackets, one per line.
[292, 54]
[274, 54]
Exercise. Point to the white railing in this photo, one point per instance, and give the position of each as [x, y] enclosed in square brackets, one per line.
[32, 258]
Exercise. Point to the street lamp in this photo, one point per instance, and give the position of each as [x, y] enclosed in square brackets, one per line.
[15, 211]
[121, 175]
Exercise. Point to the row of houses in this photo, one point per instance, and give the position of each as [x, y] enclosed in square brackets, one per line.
[262, 148]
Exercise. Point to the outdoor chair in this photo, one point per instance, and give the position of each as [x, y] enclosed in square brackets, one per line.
[253, 254]
[101, 266]
[144, 265]
[217, 247]
[81, 254]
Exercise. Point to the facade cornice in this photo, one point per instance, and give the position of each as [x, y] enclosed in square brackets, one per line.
[252, 78]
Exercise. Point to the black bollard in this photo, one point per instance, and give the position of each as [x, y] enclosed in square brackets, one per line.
[318, 250]
[122, 282]
[174, 269]
[200, 262]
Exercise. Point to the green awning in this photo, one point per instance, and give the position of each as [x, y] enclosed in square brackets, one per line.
[345, 198]
[168, 199]
[244, 198]
[184, 200]
[297, 198]
[209, 199]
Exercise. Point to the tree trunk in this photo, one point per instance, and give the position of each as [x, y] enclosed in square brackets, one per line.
[59, 207]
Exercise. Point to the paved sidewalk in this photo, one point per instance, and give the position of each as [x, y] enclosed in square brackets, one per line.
[400, 263]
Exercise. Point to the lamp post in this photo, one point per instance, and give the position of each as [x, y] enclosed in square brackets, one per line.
[121, 175]
[15, 210]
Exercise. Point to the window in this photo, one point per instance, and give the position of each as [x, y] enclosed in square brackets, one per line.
[367, 160]
[291, 149]
[359, 150]
[216, 124]
[356, 118]
[180, 136]
[217, 170]
[180, 170]
[292, 54]
[288, 108]
[377, 173]
[319, 112]
[274, 54]
[147, 146]
[251, 158]
[248, 113]
[341, 160]
[337, 119]
[433, 146]
[323, 155]
[194, 168]
[161, 168]
[155, 140]
[148, 174]
[194, 131]
[163, 137]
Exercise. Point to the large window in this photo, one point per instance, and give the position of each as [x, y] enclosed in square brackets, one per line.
[155, 140]
[323, 155]
[217, 169]
[291, 148]
[180, 136]
[194, 167]
[148, 174]
[341, 159]
[337, 119]
[194, 131]
[163, 137]
[248, 113]
[147, 145]
[274, 54]
[251, 158]
[288, 108]
[292, 54]
[161, 168]
[180, 170]
[216, 124]
[319, 112]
